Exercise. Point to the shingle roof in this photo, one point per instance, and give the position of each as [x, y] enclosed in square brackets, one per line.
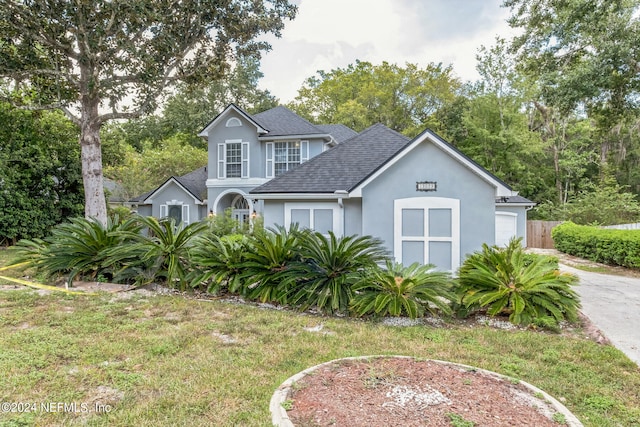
[342, 167]
[281, 121]
[194, 182]
[339, 132]
[514, 199]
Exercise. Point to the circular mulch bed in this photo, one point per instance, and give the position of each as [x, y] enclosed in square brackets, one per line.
[403, 391]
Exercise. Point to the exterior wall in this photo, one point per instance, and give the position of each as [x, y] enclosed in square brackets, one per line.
[247, 133]
[144, 210]
[352, 217]
[217, 188]
[428, 163]
[174, 192]
[521, 222]
[275, 213]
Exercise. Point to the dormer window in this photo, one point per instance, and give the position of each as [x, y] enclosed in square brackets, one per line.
[233, 122]
[285, 155]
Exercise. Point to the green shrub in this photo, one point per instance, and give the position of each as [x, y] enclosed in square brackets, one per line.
[399, 290]
[218, 261]
[80, 247]
[161, 252]
[609, 246]
[500, 280]
[328, 268]
[264, 269]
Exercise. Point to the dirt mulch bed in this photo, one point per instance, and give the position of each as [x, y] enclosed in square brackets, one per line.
[408, 392]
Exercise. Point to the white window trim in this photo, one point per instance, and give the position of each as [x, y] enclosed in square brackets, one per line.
[245, 160]
[338, 216]
[427, 203]
[270, 164]
[269, 168]
[164, 210]
[233, 122]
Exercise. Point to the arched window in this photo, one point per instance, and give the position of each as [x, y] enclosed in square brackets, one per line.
[233, 122]
[240, 209]
[239, 202]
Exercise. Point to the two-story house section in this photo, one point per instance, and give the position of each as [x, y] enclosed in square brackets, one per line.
[245, 151]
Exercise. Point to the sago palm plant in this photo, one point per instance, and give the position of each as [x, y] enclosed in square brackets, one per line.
[399, 290]
[78, 247]
[217, 261]
[264, 270]
[163, 248]
[530, 290]
[328, 268]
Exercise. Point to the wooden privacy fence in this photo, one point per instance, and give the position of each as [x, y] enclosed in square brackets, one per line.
[539, 234]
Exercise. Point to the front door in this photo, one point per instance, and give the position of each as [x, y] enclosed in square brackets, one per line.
[240, 210]
[427, 231]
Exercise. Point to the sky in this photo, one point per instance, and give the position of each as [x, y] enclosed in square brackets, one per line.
[330, 34]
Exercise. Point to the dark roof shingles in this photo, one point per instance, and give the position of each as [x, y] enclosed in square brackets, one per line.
[339, 132]
[280, 121]
[342, 167]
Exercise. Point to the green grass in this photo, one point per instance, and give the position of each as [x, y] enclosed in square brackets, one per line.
[147, 359]
[167, 360]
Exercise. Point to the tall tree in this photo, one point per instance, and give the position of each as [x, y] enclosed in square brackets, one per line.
[584, 53]
[103, 60]
[402, 98]
[193, 107]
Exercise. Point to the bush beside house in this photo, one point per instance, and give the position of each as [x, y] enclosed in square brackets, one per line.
[304, 269]
[608, 246]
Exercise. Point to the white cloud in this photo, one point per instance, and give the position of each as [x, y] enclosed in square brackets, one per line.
[329, 34]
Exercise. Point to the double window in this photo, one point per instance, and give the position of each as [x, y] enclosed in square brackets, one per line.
[233, 159]
[285, 155]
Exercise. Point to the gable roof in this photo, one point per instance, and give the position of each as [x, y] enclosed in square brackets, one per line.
[231, 108]
[281, 121]
[339, 132]
[502, 188]
[353, 164]
[341, 168]
[194, 183]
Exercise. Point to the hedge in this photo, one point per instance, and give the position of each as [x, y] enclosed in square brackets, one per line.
[608, 246]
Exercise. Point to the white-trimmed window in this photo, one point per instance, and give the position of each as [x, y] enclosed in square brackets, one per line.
[176, 210]
[285, 155]
[233, 122]
[322, 217]
[233, 159]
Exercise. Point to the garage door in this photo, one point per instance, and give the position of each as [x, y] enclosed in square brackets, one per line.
[427, 231]
[506, 227]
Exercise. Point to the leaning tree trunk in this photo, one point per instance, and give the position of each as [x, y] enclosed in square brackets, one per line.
[95, 205]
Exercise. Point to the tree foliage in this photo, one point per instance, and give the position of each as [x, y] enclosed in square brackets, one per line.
[143, 171]
[189, 110]
[40, 181]
[402, 98]
[106, 60]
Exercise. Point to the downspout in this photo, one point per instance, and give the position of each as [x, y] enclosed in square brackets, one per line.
[342, 194]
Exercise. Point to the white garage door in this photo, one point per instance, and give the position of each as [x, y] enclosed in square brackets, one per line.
[506, 227]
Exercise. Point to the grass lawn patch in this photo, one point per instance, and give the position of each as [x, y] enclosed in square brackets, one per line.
[147, 360]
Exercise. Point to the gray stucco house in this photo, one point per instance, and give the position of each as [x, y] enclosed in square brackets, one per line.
[426, 200]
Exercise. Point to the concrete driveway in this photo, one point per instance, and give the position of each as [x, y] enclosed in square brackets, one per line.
[612, 303]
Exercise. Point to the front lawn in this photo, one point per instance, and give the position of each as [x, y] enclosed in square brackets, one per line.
[145, 359]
